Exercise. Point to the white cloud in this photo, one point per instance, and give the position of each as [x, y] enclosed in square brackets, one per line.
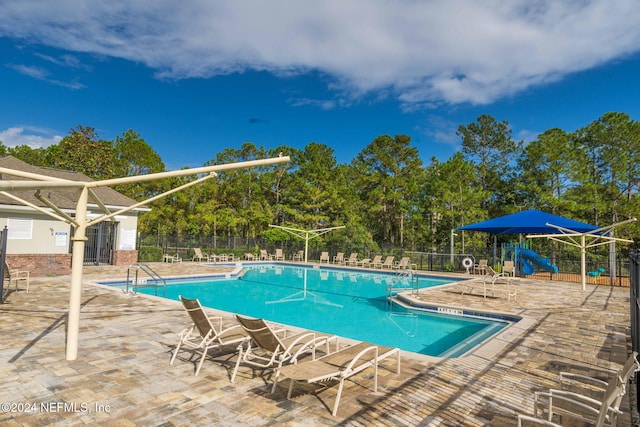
[32, 137]
[424, 52]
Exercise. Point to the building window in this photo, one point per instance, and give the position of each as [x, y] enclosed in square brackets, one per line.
[19, 228]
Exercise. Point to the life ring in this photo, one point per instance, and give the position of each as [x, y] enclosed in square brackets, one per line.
[467, 262]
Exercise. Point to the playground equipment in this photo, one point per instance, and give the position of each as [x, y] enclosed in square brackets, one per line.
[526, 258]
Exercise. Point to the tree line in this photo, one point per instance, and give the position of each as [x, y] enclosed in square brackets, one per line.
[386, 196]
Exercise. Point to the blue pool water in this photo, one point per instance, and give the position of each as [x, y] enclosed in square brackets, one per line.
[346, 303]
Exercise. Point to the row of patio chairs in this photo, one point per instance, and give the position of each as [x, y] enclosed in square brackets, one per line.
[481, 267]
[263, 345]
[376, 262]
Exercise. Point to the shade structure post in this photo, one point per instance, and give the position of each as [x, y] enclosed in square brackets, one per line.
[583, 261]
[77, 261]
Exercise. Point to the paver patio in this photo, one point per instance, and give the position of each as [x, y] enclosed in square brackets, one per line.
[122, 374]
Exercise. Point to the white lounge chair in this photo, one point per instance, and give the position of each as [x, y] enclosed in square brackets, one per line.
[338, 366]
[298, 256]
[279, 256]
[324, 257]
[577, 406]
[339, 258]
[377, 261]
[403, 264]
[265, 256]
[267, 349]
[388, 262]
[353, 259]
[202, 335]
[199, 255]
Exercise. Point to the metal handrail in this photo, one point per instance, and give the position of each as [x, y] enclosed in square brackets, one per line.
[156, 280]
[413, 278]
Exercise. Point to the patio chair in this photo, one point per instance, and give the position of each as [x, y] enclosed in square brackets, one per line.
[377, 261]
[580, 407]
[271, 350]
[388, 262]
[199, 255]
[202, 335]
[363, 262]
[509, 267]
[324, 257]
[480, 267]
[353, 259]
[339, 258]
[171, 258]
[298, 256]
[492, 281]
[338, 366]
[16, 276]
[249, 256]
[265, 256]
[570, 379]
[403, 263]
[279, 256]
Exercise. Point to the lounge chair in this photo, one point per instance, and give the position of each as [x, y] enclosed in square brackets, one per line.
[578, 406]
[199, 255]
[388, 262]
[279, 256]
[171, 258]
[377, 261]
[339, 258]
[403, 264]
[324, 257]
[353, 259]
[480, 267]
[271, 350]
[338, 366]
[571, 380]
[202, 335]
[265, 256]
[298, 256]
[492, 282]
[16, 276]
[363, 262]
[249, 256]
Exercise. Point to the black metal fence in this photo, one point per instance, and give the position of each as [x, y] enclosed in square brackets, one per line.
[152, 248]
[634, 269]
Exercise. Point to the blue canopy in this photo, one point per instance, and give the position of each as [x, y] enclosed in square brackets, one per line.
[528, 222]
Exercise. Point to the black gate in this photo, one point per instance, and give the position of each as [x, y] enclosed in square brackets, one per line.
[100, 244]
[634, 273]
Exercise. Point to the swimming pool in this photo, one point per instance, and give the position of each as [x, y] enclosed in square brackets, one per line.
[348, 303]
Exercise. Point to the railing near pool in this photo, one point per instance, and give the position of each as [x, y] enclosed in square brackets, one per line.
[152, 281]
[393, 287]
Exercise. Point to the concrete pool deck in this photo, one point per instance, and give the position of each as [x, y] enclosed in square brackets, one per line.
[122, 374]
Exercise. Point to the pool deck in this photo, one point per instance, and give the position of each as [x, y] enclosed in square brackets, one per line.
[122, 375]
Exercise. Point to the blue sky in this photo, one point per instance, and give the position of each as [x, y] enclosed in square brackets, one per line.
[198, 76]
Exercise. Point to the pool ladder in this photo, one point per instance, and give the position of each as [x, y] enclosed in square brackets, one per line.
[393, 287]
[152, 281]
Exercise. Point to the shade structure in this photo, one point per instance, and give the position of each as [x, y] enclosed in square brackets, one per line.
[529, 222]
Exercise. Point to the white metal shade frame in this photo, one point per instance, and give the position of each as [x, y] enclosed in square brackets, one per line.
[80, 222]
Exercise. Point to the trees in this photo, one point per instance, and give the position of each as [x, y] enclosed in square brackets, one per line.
[388, 173]
[133, 156]
[82, 151]
[488, 144]
[545, 172]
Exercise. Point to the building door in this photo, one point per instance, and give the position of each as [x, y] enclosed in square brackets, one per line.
[100, 244]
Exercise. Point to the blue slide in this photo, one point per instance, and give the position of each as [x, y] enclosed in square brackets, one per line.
[529, 257]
